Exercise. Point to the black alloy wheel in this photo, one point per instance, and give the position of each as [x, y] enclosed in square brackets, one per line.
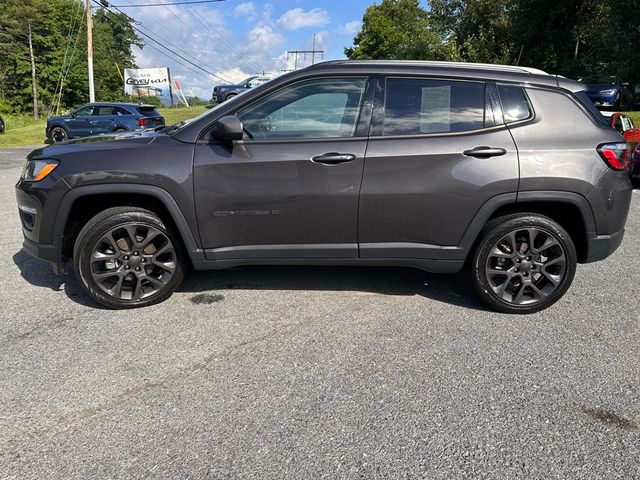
[59, 134]
[125, 257]
[524, 264]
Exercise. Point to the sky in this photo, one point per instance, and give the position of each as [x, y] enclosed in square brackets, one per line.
[234, 39]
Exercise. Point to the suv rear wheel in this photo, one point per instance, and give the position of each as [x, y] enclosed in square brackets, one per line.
[125, 257]
[523, 264]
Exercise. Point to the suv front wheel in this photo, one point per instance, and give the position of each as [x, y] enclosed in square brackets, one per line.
[126, 257]
[524, 263]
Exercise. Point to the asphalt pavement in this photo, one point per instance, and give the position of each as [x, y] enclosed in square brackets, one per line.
[307, 373]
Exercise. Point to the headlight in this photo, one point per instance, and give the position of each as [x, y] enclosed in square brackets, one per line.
[36, 170]
[607, 92]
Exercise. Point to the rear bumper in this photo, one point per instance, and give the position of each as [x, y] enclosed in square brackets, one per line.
[600, 247]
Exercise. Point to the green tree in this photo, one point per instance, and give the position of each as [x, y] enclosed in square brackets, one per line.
[398, 29]
[480, 29]
[113, 38]
[21, 37]
[59, 51]
[578, 37]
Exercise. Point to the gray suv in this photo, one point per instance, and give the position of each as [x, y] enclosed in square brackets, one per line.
[506, 170]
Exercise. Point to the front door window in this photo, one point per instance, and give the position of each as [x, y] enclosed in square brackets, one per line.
[315, 109]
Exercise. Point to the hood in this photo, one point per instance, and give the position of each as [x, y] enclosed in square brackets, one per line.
[97, 142]
[227, 87]
[58, 118]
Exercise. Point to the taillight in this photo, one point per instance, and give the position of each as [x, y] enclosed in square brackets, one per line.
[617, 155]
[142, 122]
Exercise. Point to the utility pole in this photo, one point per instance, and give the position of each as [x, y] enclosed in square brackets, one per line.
[313, 49]
[303, 53]
[92, 92]
[34, 89]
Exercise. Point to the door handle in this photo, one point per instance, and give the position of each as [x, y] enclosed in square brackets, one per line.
[484, 152]
[333, 158]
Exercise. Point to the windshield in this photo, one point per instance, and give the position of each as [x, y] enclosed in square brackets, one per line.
[247, 80]
[599, 80]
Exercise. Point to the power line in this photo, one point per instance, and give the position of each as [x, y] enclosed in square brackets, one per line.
[165, 41]
[167, 48]
[229, 44]
[66, 67]
[169, 43]
[106, 4]
[72, 27]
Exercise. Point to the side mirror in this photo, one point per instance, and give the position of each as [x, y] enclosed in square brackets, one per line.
[247, 85]
[74, 115]
[228, 128]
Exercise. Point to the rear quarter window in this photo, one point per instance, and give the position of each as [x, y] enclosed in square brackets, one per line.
[515, 104]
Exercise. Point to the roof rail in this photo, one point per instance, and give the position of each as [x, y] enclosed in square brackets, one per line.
[479, 66]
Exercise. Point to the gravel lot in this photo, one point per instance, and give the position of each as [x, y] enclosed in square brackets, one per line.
[316, 372]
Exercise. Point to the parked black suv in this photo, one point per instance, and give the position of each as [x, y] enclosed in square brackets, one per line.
[419, 164]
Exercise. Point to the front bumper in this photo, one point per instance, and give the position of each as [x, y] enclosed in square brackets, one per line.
[38, 207]
[51, 254]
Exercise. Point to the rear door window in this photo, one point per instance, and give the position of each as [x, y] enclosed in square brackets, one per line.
[429, 106]
[104, 110]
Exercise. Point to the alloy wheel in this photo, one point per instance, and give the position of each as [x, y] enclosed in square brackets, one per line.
[58, 135]
[133, 262]
[525, 266]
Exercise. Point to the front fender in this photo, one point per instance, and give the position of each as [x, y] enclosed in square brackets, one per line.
[184, 230]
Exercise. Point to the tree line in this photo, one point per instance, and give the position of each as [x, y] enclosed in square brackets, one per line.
[43, 54]
[566, 37]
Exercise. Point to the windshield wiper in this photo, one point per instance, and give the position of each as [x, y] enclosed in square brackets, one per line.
[169, 129]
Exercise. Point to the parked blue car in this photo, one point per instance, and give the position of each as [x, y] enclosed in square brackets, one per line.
[608, 91]
[96, 118]
[222, 93]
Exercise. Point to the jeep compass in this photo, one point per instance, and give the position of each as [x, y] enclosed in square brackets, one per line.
[506, 170]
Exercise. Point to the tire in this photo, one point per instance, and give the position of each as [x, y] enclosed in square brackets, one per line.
[125, 257]
[2, 126]
[537, 273]
[120, 129]
[230, 96]
[59, 134]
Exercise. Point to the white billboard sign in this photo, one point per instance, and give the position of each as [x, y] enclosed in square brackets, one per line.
[147, 82]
